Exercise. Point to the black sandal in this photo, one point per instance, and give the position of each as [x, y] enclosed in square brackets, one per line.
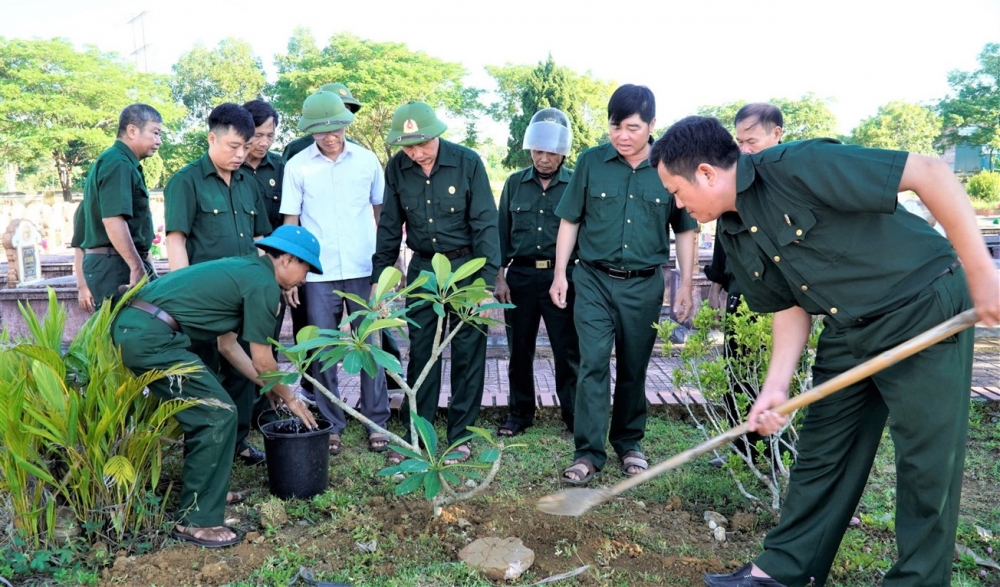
[511, 429]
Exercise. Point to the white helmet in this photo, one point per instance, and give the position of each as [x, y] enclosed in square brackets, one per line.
[549, 131]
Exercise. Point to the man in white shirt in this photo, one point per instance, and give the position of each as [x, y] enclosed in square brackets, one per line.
[334, 189]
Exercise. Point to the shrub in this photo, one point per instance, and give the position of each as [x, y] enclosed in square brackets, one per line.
[81, 439]
[985, 187]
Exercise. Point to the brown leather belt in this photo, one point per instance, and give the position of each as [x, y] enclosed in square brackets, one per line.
[156, 313]
[615, 273]
[102, 251]
[451, 255]
[536, 263]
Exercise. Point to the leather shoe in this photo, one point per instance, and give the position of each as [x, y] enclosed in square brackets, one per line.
[253, 456]
[740, 578]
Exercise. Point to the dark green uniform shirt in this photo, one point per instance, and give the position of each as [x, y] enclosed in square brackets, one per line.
[451, 209]
[219, 220]
[623, 213]
[237, 294]
[268, 175]
[528, 224]
[817, 227]
[114, 187]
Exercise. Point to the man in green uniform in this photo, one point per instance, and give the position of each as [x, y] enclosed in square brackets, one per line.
[209, 303]
[528, 228]
[263, 165]
[811, 227]
[113, 227]
[758, 126]
[618, 212]
[214, 209]
[302, 143]
[440, 192]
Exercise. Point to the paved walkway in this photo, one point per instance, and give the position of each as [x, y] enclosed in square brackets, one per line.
[660, 389]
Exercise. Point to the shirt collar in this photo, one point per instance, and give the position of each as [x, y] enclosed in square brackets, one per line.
[563, 175]
[314, 151]
[446, 157]
[269, 160]
[128, 152]
[208, 168]
[613, 153]
[745, 173]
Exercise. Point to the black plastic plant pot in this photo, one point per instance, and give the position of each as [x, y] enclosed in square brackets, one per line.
[298, 459]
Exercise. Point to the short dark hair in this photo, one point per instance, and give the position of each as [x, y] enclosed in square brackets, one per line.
[691, 141]
[231, 116]
[767, 115]
[261, 111]
[631, 99]
[138, 115]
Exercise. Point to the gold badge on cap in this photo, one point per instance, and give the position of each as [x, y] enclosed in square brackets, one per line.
[410, 126]
[272, 182]
[451, 189]
[343, 92]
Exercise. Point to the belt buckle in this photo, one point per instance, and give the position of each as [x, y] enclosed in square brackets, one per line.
[617, 273]
[541, 264]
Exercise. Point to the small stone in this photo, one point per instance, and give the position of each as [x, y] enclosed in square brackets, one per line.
[254, 537]
[983, 533]
[470, 483]
[398, 478]
[641, 504]
[463, 523]
[716, 517]
[719, 533]
[674, 503]
[370, 546]
[272, 514]
[500, 559]
[712, 525]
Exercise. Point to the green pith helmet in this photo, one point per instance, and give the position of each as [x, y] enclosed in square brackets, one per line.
[414, 123]
[324, 112]
[341, 90]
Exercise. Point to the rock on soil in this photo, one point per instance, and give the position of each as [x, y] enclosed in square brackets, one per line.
[498, 558]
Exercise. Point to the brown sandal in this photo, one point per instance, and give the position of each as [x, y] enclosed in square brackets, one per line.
[633, 458]
[466, 454]
[335, 444]
[583, 469]
[378, 442]
[394, 458]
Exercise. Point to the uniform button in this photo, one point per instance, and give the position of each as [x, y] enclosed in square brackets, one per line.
[626, 246]
[275, 197]
[428, 201]
[804, 288]
[452, 209]
[215, 211]
[777, 259]
[798, 232]
[541, 211]
[241, 235]
[428, 182]
[753, 229]
[603, 194]
[756, 274]
[630, 196]
[434, 240]
[657, 200]
[539, 229]
[629, 221]
[538, 246]
[543, 193]
[431, 220]
[833, 310]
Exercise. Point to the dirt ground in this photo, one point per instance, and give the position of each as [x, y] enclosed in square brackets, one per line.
[560, 544]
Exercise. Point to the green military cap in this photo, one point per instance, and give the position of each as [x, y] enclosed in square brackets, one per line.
[324, 112]
[295, 241]
[414, 123]
[341, 90]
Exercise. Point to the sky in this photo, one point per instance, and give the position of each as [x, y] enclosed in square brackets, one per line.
[857, 54]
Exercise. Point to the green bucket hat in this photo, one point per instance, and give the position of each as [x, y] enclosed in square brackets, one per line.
[341, 90]
[414, 123]
[295, 241]
[324, 112]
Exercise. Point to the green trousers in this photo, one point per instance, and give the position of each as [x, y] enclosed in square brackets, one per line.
[926, 401]
[105, 273]
[209, 430]
[468, 360]
[619, 313]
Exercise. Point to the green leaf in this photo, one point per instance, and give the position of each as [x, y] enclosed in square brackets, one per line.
[439, 309]
[414, 466]
[353, 362]
[450, 477]
[489, 455]
[432, 485]
[408, 452]
[369, 329]
[387, 361]
[353, 297]
[426, 432]
[481, 432]
[389, 279]
[442, 269]
[468, 268]
[307, 333]
[411, 483]
[120, 470]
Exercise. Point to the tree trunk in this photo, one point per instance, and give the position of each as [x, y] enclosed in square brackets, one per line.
[64, 179]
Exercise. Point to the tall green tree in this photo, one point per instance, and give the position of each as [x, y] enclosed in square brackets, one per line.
[972, 114]
[204, 78]
[903, 126]
[382, 76]
[806, 118]
[61, 103]
[524, 90]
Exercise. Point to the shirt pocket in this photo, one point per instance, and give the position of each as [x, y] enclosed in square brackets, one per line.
[803, 237]
[216, 216]
[247, 221]
[604, 200]
[655, 207]
[522, 216]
